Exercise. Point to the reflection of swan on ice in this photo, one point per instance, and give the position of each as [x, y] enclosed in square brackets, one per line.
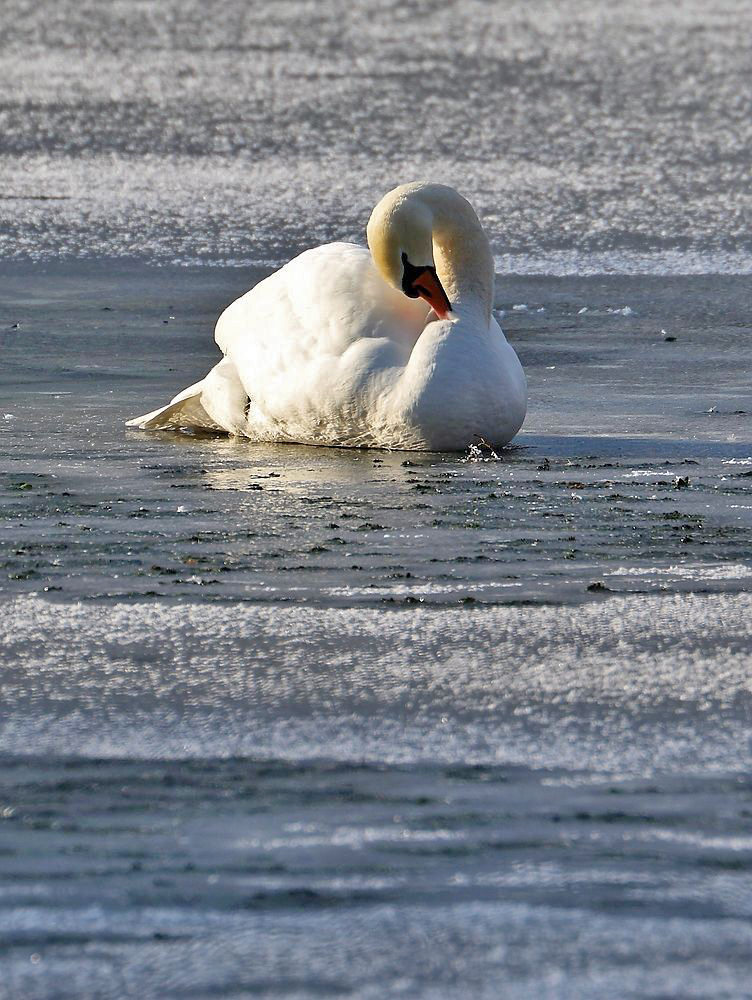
[392, 348]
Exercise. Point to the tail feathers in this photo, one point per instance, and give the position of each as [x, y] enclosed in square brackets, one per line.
[185, 412]
[216, 403]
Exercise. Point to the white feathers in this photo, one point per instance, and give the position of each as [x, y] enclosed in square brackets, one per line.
[324, 351]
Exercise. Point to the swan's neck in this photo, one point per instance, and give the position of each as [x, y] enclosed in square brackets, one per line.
[463, 260]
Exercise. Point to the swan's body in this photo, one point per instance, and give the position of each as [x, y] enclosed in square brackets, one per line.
[326, 351]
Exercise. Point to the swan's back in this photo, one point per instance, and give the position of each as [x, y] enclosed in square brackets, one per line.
[315, 342]
[322, 300]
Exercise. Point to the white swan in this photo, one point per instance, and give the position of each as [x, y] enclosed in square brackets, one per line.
[396, 348]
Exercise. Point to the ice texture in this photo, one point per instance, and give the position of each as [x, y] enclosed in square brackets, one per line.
[300, 723]
[469, 686]
[589, 136]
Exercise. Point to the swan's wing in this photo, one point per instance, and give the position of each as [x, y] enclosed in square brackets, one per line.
[307, 351]
[216, 403]
[322, 301]
[314, 334]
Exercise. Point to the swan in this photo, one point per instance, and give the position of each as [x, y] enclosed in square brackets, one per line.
[393, 348]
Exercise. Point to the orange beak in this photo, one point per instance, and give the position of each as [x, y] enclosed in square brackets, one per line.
[428, 287]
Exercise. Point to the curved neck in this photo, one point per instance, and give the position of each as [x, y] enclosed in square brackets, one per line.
[462, 254]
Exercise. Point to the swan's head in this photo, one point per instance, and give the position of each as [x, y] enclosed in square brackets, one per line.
[400, 235]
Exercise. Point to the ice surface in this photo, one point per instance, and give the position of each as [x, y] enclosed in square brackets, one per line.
[299, 722]
[591, 137]
[284, 722]
[543, 687]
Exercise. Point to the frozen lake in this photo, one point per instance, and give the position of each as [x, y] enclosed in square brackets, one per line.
[267, 708]
[589, 136]
[294, 722]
